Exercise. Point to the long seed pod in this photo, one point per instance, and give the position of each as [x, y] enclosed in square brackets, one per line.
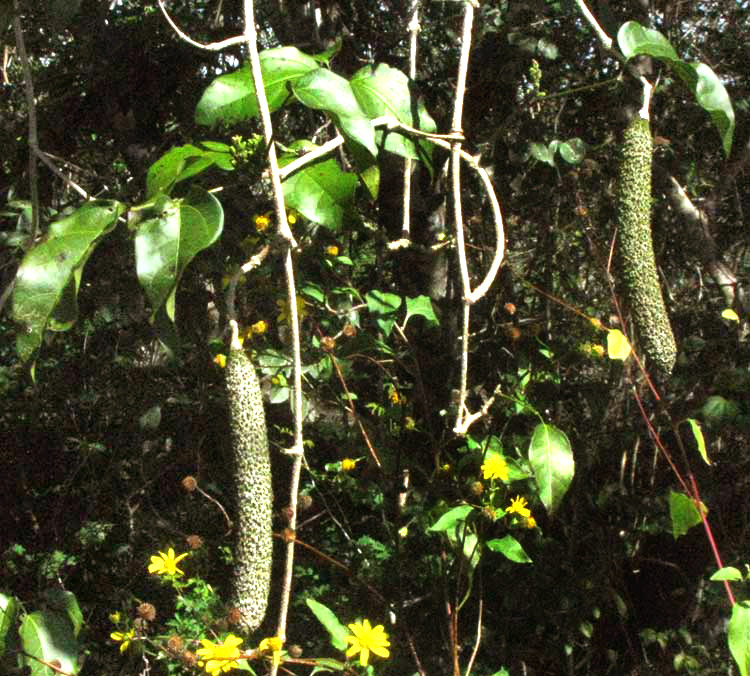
[253, 490]
[640, 281]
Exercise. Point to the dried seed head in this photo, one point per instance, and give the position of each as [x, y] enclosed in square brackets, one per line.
[189, 483]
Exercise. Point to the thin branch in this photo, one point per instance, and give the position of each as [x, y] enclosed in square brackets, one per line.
[31, 105]
[283, 226]
[600, 33]
[212, 46]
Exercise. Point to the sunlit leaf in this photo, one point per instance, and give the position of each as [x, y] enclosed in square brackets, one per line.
[184, 162]
[618, 346]
[421, 306]
[509, 547]
[708, 90]
[449, 520]
[683, 513]
[727, 573]
[47, 636]
[731, 315]
[47, 282]
[551, 460]
[695, 428]
[328, 619]
[739, 636]
[8, 612]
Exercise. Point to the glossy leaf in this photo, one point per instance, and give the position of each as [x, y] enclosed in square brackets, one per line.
[383, 90]
[683, 513]
[321, 192]
[322, 89]
[730, 314]
[230, 98]
[185, 162]
[552, 463]
[510, 548]
[695, 428]
[165, 245]
[708, 90]
[739, 636]
[45, 295]
[542, 153]
[48, 636]
[328, 619]
[727, 573]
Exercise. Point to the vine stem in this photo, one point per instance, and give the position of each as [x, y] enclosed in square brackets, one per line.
[283, 225]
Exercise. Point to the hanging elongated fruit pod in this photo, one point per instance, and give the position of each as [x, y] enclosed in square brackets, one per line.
[639, 278]
[253, 492]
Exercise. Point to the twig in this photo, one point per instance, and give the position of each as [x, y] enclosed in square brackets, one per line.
[600, 33]
[212, 46]
[285, 232]
[31, 105]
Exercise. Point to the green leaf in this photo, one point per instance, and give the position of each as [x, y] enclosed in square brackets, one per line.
[510, 548]
[382, 302]
[718, 410]
[708, 90]
[65, 603]
[730, 314]
[683, 513]
[634, 39]
[727, 573]
[542, 153]
[8, 613]
[45, 295]
[739, 636]
[329, 620]
[321, 191]
[184, 162]
[48, 636]
[382, 90]
[695, 428]
[552, 463]
[451, 519]
[322, 89]
[421, 306]
[573, 151]
[165, 245]
[230, 99]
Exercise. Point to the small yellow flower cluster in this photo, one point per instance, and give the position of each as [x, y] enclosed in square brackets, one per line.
[397, 399]
[332, 250]
[123, 638]
[263, 221]
[366, 639]
[272, 645]
[495, 467]
[518, 506]
[258, 328]
[166, 564]
[592, 349]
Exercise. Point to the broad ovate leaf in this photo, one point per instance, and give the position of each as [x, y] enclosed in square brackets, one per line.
[618, 347]
[184, 162]
[552, 463]
[321, 191]
[708, 90]
[166, 243]
[47, 282]
[383, 90]
[321, 89]
[231, 99]
[48, 636]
